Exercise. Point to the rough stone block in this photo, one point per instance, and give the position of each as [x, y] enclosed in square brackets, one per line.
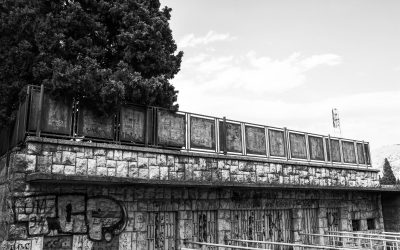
[164, 173]
[69, 169]
[127, 155]
[68, 158]
[99, 152]
[57, 157]
[81, 166]
[111, 164]
[133, 170]
[207, 175]
[188, 173]
[161, 160]
[101, 161]
[143, 173]
[110, 171]
[118, 155]
[216, 175]
[197, 175]
[225, 175]
[234, 169]
[44, 164]
[30, 162]
[102, 171]
[154, 172]
[152, 161]
[110, 154]
[88, 152]
[122, 169]
[58, 169]
[272, 168]
[142, 162]
[170, 161]
[34, 148]
[221, 164]
[179, 167]
[91, 167]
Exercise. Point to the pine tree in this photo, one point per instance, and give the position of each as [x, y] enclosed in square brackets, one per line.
[388, 177]
[102, 52]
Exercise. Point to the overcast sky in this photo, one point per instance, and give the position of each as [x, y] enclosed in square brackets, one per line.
[287, 63]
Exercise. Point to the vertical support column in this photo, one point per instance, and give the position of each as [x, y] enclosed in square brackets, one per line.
[224, 226]
[297, 224]
[322, 223]
[185, 231]
[379, 222]
[224, 134]
[146, 127]
[330, 149]
[286, 143]
[39, 119]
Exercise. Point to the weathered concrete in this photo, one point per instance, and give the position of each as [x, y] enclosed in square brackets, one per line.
[124, 197]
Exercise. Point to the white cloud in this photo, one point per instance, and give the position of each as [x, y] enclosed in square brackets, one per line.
[191, 40]
[365, 116]
[235, 87]
[327, 59]
[251, 73]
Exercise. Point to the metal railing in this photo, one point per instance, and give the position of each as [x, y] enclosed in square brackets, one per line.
[39, 114]
[373, 241]
[256, 245]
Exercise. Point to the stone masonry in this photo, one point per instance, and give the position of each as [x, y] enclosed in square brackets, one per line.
[60, 194]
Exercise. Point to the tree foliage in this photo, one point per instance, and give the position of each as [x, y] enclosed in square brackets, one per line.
[102, 52]
[388, 177]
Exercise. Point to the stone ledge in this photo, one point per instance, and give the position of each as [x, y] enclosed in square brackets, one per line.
[109, 180]
[186, 153]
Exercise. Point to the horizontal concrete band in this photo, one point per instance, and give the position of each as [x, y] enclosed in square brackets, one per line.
[110, 180]
[194, 154]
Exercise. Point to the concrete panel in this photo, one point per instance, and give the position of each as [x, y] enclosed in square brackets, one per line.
[276, 143]
[171, 130]
[133, 122]
[255, 140]
[298, 148]
[202, 133]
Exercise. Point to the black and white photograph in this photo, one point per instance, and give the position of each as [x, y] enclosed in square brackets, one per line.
[199, 124]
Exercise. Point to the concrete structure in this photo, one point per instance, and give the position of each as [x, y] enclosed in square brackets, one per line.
[147, 178]
[61, 194]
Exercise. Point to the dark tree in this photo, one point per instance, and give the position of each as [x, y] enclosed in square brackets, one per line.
[102, 52]
[388, 176]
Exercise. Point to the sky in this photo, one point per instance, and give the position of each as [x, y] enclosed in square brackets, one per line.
[287, 63]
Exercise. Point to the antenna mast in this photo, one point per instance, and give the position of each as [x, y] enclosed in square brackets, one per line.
[336, 122]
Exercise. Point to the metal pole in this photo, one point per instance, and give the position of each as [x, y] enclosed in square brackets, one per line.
[224, 135]
[39, 114]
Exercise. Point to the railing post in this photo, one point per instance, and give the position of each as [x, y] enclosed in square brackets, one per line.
[330, 149]
[224, 135]
[39, 118]
[146, 128]
[286, 143]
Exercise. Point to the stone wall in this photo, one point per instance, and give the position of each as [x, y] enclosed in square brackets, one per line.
[259, 200]
[80, 215]
[93, 159]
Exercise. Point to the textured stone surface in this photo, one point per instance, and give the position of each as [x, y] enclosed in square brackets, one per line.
[36, 215]
[156, 166]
